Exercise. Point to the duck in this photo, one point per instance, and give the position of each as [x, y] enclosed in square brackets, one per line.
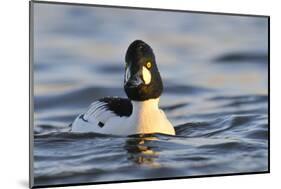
[137, 114]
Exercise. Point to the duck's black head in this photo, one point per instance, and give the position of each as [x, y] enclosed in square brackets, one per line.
[142, 78]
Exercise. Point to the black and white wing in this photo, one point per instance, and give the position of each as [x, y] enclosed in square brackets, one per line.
[101, 111]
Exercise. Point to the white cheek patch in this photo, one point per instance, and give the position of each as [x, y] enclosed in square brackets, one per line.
[146, 75]
[127, 74]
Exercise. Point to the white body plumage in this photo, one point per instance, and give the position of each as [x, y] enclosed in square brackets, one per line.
[146, 117]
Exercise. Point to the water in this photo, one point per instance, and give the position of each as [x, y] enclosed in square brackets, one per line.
[214, 70]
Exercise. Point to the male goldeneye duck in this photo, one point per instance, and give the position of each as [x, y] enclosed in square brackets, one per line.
[139, 114]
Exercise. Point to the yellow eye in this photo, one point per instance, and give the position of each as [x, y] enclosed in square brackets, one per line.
[148, 64]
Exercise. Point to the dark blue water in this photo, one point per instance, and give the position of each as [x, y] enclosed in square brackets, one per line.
[214, 70]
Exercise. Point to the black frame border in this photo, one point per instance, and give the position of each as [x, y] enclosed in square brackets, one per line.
[31, 94]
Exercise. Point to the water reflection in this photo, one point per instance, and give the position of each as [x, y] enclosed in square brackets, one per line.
[140, 150]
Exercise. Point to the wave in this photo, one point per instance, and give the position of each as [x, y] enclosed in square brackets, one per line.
[236, 57]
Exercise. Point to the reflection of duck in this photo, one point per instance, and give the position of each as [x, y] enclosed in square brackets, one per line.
[140, 152]
[139, 113]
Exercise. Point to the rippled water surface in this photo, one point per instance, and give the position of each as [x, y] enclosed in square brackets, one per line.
[215, 74]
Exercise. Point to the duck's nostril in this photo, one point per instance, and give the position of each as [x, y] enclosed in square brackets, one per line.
[134, 81]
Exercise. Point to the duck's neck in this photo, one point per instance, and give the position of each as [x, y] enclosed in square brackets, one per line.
[147, 105]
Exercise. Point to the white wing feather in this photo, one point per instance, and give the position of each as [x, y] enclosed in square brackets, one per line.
[90, 120]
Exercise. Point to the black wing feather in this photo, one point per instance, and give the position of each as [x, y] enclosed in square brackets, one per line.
[119, 106]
